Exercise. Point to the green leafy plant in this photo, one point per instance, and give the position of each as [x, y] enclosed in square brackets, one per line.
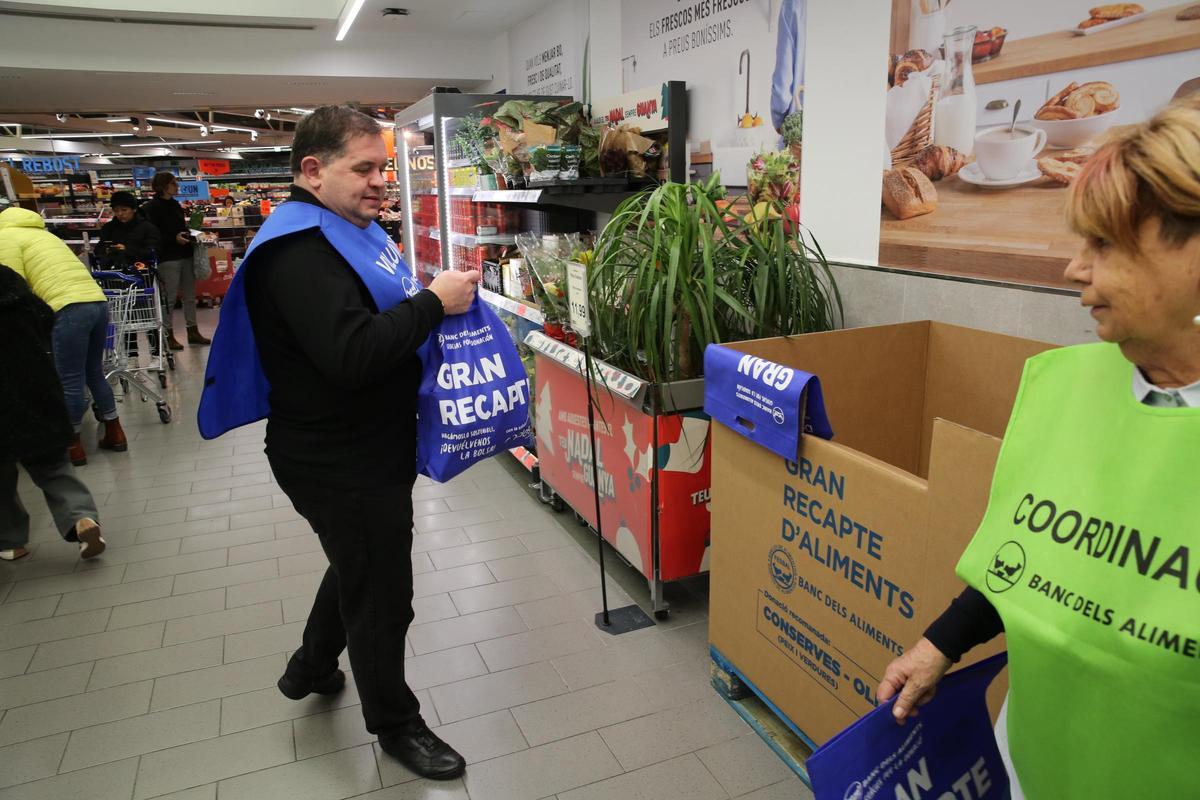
[672, 274]
[657, 285]
[570, 123]
[783, 279]
[792, 129]
[475, 138]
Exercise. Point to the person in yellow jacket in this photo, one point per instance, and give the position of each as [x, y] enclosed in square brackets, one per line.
[1088, 557]
[62, 281]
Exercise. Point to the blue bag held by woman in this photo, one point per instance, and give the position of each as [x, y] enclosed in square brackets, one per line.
[474, 395]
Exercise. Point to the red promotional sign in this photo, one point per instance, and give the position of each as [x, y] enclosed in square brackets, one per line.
[624, 441]
[214, 167]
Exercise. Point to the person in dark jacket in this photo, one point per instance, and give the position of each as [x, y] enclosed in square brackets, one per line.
[175, 268]
[35, 429]
[127, 239]
[342, 426]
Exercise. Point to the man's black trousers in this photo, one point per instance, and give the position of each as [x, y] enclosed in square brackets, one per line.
[365, 600]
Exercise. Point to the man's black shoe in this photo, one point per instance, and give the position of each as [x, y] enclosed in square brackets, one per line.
[295, 688]
[419, 749]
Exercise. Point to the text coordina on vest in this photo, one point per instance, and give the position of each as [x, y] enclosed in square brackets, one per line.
[1118, 544]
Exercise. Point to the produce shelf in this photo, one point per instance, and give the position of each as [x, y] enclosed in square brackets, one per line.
[531, 313]
[469, 240]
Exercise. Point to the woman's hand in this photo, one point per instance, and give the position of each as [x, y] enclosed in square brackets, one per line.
[182, 238]
[914, 676]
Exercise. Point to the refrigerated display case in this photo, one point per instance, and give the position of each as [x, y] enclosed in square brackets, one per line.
[443, 227]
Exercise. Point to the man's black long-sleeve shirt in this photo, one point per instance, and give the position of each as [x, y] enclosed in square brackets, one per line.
[344, 377]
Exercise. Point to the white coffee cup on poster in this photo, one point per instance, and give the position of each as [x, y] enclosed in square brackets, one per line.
[1002, 154]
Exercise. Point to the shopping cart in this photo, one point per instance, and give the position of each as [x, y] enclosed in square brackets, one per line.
[133, 308]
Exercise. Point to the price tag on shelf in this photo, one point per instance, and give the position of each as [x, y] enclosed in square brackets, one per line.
[577, 298]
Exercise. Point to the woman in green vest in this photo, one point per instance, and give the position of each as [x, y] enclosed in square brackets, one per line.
[1088, 557]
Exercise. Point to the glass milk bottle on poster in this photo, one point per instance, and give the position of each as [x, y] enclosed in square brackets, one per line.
[954, 114]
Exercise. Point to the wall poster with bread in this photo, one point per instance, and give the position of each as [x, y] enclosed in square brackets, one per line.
[993, 107]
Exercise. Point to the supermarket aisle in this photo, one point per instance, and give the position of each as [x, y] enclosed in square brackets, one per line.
[150, 672]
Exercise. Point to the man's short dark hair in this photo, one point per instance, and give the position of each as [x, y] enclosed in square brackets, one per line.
[325, 132]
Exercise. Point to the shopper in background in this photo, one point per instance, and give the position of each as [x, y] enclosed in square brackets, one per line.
[1082, 558]
[230, 212]
[61, 280]
[342, 375]
[175, 268]
[127, 239]
[35, 429]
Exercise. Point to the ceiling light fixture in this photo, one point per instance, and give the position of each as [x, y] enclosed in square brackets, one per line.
[61, 117]
[224, 127]
[118, 119]
[75, 135]
[346, 19]
[176, 121]
[301, 110]
[204, 130]
[172, 144]
[258, 113]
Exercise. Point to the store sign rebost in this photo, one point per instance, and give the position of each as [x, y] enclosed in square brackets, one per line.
[45, 166]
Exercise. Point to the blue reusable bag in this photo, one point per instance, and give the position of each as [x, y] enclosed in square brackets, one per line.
[474, 396]
[948, 751]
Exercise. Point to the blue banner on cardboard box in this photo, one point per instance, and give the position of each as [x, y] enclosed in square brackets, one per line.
[474, 396]
[768, 403]
[948, 752]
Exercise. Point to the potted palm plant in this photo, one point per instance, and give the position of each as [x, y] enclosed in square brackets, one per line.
[671, 274]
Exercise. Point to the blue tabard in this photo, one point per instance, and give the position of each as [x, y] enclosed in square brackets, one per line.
[235, 388]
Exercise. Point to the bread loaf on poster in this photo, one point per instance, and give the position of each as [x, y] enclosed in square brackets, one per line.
[1115, 11]
[939, 161]
[908, 193]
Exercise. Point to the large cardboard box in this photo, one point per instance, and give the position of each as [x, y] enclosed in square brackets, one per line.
[826, 568]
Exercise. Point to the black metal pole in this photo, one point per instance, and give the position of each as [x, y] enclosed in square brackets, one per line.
[587, 360]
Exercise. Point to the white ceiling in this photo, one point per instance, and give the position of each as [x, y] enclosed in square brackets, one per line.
[89, 91]
[60, 63]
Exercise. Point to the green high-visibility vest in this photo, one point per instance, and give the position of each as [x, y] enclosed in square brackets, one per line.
[1090, 551]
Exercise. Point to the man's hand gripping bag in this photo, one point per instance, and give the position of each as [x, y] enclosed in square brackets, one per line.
[474, 396]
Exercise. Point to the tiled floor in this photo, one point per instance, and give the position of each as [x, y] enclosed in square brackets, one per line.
[150, 672]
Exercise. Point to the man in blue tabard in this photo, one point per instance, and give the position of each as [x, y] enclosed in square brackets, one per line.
[319, 334]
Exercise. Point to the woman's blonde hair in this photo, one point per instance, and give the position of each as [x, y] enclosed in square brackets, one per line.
[1141, 171]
